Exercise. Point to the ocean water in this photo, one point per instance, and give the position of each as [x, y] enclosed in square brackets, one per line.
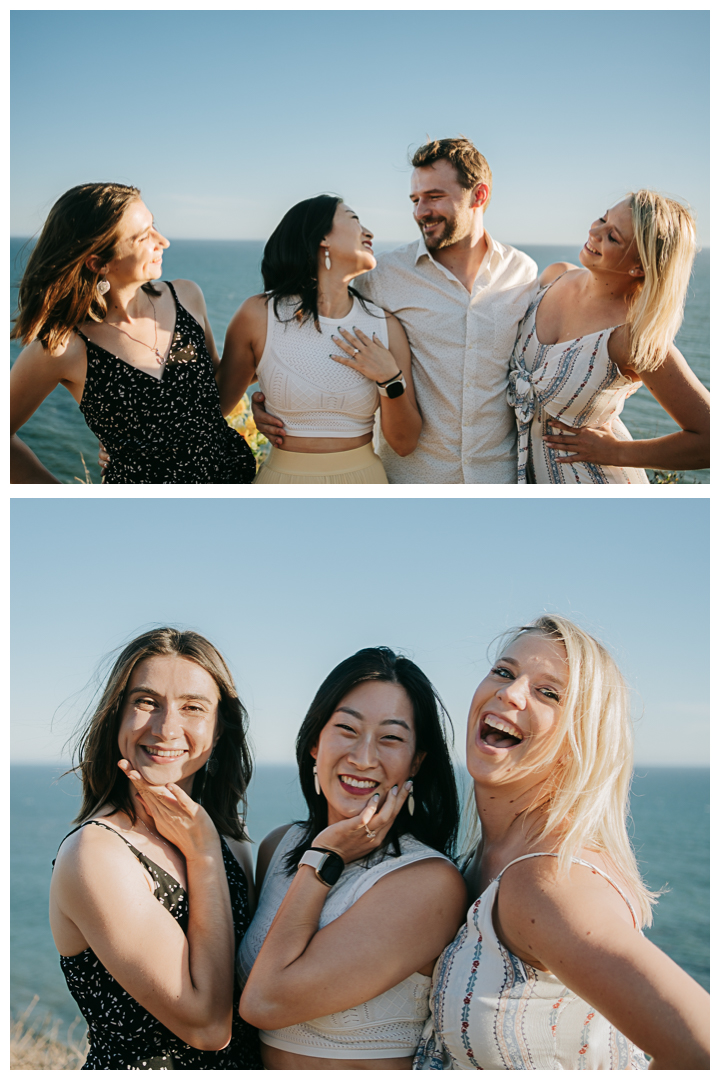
[229, 271]
[670, 828]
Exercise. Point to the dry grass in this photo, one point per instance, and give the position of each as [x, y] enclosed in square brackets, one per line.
[40, 1047]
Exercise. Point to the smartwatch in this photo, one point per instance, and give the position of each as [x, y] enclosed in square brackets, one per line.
[328, 865]
[393, 387]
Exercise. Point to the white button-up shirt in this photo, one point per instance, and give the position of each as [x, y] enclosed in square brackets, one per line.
[461, 344]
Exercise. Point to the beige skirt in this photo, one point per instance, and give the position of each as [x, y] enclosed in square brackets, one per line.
[359, 466]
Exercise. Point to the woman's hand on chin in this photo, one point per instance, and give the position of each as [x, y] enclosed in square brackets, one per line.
[358, 836]
[175, 816]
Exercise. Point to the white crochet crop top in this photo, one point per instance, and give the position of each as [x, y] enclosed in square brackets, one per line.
[313, 395]
[387, 1026]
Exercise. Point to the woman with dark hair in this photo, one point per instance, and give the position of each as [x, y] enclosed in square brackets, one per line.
[358, 900]
[137, 354]
[325, 359]
[148, 907]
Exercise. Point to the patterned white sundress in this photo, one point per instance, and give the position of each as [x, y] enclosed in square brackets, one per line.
[491, 1010]
[575, 382]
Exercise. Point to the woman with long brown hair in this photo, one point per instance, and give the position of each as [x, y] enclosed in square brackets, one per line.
[137, 354]
[151, 893]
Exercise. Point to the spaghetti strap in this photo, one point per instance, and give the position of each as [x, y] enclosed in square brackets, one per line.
[582, 862]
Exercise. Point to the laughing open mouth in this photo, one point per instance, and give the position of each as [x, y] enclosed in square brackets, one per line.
[499, 733]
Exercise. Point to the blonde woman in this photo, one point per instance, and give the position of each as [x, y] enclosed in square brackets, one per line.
[592, 336]
[551, 969]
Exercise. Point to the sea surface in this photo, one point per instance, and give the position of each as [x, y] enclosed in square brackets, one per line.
[229, 271]
[670, 829]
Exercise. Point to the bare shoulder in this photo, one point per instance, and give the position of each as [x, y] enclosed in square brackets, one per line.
[93, 852]
[36, 354]
[433, 880]
[191, 297]
[252, 311]
[266, 851]
[249, 323]
[554, 271]
[557, 897]
[271, 841]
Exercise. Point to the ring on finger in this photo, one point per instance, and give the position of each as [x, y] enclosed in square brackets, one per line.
[356, 352]
[370, 835]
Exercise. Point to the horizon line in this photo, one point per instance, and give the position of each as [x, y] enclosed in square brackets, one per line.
[262, 240]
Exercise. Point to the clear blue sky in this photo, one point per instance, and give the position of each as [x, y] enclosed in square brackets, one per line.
[224, 119]
[287, 588]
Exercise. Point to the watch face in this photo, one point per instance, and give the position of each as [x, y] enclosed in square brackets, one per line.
[331, 868]
[395, 389]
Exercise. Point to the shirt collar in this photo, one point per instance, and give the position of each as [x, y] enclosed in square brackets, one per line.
[493, 255]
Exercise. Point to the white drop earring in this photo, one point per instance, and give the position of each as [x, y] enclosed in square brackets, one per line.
[328, 264]
[103, 286]
[411, 803]
[316, 781]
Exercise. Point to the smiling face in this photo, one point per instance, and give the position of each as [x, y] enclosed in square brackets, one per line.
[139, 250]
[610, 246]
[349, 242]
[367, 746]
[443, 209]
[515, 708]
[169, 721]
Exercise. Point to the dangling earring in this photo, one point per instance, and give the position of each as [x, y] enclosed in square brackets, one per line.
[328, 264]
[103, 286]
[212, 765]
[411, 803]
[316, 781]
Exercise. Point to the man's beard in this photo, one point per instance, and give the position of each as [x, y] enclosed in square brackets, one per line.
[444, 237]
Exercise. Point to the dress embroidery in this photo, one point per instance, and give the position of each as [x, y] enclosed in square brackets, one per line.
[574, 382]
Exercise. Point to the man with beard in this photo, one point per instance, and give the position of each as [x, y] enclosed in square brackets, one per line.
[459, 295]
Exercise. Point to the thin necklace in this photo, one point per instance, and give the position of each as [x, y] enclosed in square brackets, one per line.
[153, 348]
[153, 835]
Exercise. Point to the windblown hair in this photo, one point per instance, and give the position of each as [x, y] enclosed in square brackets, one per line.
[289, 263]
[96, 753]
[665, 237]
[469, 164]
[586, 798]
[58, 290]
[436, 818]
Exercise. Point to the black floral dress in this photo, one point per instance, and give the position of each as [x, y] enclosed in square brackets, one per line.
[169, 430]
[124, 1035]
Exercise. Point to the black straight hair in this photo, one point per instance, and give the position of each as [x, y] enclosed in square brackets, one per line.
[437, 812]
[289, 263]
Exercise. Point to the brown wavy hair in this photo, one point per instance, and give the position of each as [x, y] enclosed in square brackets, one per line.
[469, 164]
[58, 290]
[95, 753]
